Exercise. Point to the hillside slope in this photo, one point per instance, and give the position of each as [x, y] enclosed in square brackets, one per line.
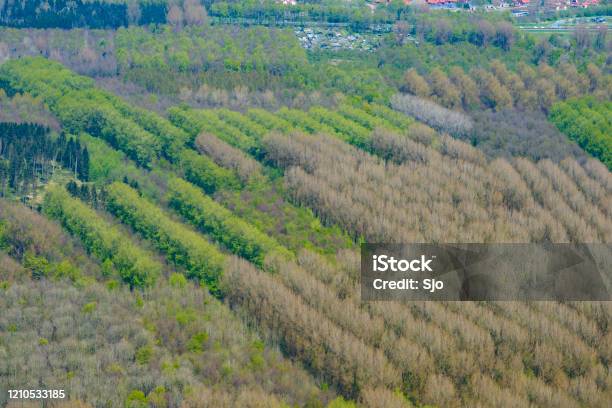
[206, 187]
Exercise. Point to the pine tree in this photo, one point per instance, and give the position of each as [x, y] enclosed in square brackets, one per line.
[84, 166]
[72, 188]
[84, 192]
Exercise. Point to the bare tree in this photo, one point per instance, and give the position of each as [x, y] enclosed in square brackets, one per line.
[401, 30]
[486, 32]
[175, 16]
[133, 11]
[434, 115]
[416, 84]
[582, 37]
[443, 89]
[195, 13]
[4, 51]
[227, 156]
[467, 88]
[504, 35]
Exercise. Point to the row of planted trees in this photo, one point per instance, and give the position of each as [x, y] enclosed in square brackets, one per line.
[188, 250]
[161, 339]
[361, 347]
[183, 247]
[501, 87]
[584, 120]
[515, 195]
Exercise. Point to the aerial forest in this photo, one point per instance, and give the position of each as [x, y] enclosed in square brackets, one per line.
[185, 187]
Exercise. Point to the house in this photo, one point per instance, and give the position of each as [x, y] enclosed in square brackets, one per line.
[584, 3]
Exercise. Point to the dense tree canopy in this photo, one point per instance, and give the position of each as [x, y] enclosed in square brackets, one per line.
[587, 121]
[219, 180]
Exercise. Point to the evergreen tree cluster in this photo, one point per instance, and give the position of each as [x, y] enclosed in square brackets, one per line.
[29, 154]
[80, 13]
[95, 196]
[89, 193]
